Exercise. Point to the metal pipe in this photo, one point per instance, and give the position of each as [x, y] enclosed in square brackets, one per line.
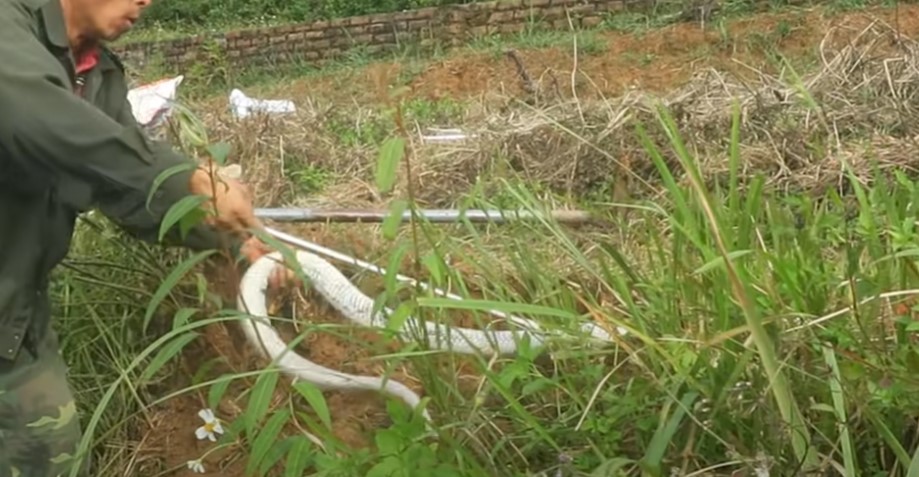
[431, 215]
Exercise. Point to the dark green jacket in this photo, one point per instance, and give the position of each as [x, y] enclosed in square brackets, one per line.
[60, 155]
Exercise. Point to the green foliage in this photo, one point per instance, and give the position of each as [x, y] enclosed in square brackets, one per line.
[209, 12]
[388, 163]
[761, 334]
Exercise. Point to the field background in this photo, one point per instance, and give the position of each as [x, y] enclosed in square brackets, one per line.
[753, 170]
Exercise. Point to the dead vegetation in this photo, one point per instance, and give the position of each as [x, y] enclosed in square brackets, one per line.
[857, 107]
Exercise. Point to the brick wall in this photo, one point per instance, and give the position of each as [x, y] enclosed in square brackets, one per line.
[445, 26]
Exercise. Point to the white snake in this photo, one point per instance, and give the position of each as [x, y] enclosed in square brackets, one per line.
[359, 308]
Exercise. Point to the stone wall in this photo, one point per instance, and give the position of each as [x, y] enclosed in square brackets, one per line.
[316, 41]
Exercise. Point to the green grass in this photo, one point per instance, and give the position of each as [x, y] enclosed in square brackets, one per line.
[761, 333]
[167, 21]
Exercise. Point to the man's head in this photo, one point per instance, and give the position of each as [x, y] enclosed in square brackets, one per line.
[101, 20]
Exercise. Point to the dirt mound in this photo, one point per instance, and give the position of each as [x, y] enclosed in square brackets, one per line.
[608, 63]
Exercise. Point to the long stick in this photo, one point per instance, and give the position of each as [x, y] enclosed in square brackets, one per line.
[431, 215]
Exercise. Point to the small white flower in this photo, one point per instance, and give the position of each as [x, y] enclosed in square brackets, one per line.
[196, 466]
[210, 427]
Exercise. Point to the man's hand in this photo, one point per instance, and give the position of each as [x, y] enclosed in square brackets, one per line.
[282, 280]
[236, 214]
[233, 203]
[282, 276]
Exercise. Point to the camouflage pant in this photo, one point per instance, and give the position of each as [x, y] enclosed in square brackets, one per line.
[39, 425]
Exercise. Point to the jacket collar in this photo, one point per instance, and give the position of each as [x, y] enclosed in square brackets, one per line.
[55, 27]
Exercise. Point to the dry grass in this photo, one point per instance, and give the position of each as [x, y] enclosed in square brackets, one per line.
[855, 109]
[862, 111]
[865, 89]
[587, 153]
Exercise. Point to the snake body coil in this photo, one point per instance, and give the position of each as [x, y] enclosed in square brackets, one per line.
[359, 308]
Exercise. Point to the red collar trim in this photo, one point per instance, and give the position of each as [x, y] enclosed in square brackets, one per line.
[88, 61]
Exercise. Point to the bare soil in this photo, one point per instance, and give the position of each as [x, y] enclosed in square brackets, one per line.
[657, 60]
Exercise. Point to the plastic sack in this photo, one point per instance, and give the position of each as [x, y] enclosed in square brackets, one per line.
[243, 106]
[152, 103]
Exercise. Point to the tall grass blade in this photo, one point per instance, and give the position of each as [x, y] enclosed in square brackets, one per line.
[664, 435]
[784, 397]
[170, 282]
[839, 406]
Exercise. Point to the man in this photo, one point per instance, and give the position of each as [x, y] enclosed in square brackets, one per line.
[69, 143]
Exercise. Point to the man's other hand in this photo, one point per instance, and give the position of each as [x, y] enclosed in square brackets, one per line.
[282, 277]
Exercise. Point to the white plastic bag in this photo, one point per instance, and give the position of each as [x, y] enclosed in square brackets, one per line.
[152, 103]
[242, 105]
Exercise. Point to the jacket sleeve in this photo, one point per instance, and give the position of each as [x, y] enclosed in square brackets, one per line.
[134, 218]
[59, 140]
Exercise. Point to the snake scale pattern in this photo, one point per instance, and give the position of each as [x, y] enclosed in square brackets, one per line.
[357, 307]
